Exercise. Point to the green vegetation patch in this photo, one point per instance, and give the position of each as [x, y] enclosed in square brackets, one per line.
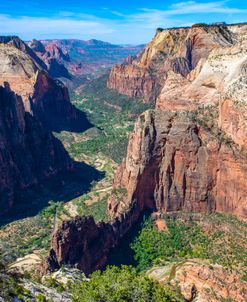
[122, 284]
[113, 116]
[180, 241]
[217, 237]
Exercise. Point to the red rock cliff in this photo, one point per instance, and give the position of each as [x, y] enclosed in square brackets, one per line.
[173, 165]
[178, 50]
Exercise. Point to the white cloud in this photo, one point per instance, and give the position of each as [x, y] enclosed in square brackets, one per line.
[192, 7]
[30, 27]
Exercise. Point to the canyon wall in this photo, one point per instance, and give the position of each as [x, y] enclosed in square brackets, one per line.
[32, 105]
[179, 50]
[43, 96]
[173, 164]
[29, 154]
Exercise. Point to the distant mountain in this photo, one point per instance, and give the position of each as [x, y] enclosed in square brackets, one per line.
[78, 58]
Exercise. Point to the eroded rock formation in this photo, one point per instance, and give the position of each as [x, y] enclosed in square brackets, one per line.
[179, 50]
[173, 164]
[43, 97]
[85, 244]
[202, 281]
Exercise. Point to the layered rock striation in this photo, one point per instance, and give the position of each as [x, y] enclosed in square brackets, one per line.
[173, 164]
[179, 50]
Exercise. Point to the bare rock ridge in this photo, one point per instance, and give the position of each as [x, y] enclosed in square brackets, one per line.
[189, 154]
[43, 96]
[29, 154]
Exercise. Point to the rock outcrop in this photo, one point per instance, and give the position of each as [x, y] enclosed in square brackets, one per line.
[201, 281]
[85, 244]
[179, 50]
[222, 75]
[29, 154]
[173, 164]
[54, 58]
[43, 97]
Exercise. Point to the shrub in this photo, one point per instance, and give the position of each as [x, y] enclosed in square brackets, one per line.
[122, 284]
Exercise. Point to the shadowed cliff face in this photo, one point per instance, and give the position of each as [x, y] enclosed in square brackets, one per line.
[29, 153]
[33, 104]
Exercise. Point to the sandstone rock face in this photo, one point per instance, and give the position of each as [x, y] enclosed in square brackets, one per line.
[28, 153]
[200, 281]
[82, 242]
[54, 58]
[178, 50]
[43, 97]
[232, 109]
[232, 120]
[173, 165]
[219, 76]
[85, 244]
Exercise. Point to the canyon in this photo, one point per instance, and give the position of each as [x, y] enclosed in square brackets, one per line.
[186, 155]
[75, 61]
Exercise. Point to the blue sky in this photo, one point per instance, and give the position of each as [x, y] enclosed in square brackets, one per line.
[116, 21]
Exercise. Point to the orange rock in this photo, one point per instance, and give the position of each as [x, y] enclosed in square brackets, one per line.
[178, 50]
[201, 281]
